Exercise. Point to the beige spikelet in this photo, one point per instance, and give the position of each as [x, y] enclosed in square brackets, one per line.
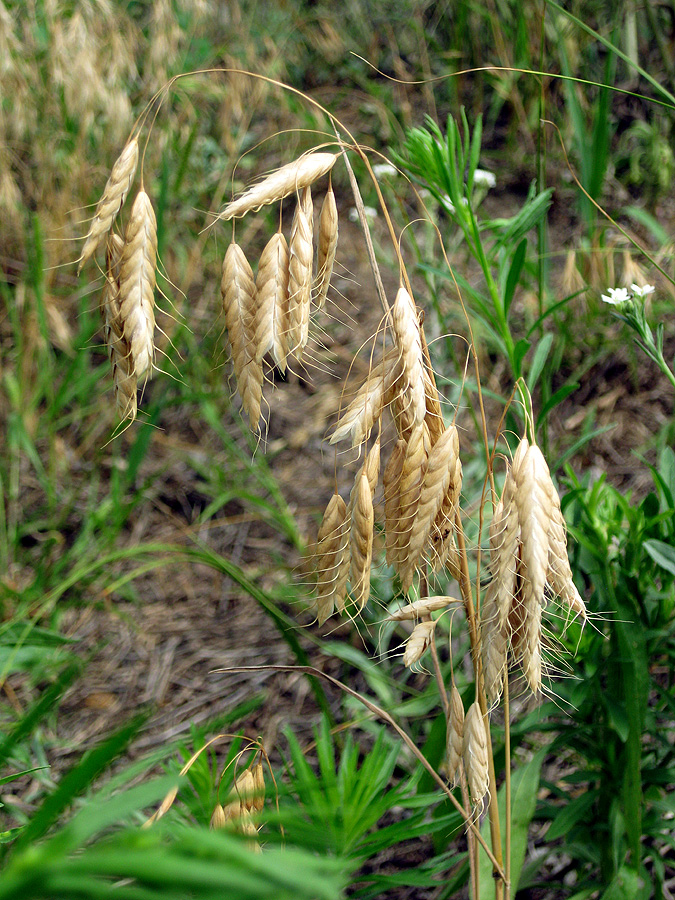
[420, 608]
[391, 481]
[475, 754]
[238, 293]
[361, 542]
[218, 819]
[119, 352]
[494, 644]
[272, 312]
[365, 409]
[409, 344]
[441, 549]
[259, 787]
[300, 273]
[439, 472]
[287, 180]
[111, 202]
[330, 542]
[371, 466]
[410, 486]
[455, 737]
[137, 284]
[504, 541]
[559, 575]
[418, 642]
[328, 239]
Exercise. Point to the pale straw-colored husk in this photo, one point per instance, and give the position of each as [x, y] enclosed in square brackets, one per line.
[111, 202]
[494, 644]
[475, 754]
[391, 480]
[238, 293]
[300, 273]
[418, 642]
[330, 549]
[259, 788]
[365, 409]
[420, 608]
[287, 180]
[410, 487]
[559, 573]
[119, 352]
[439, 472]
[409, 344]
[137, 284]
[455, 736]
[272, 299]
[218, 819]
[327, 246]
[504, 542]
[361, 542]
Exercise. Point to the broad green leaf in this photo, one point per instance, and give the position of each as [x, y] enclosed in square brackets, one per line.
[538, 360]
[512, 279]
[663, 554]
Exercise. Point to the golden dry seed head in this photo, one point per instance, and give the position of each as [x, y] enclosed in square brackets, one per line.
[328, 239]
[272, 302]
[361, 542]
[409, 344]
[119, 352]
[218, 819]
[475, 755]
[259, 782]
[455, 736]
[420, 608]
[504, 543]
[418, 642]
[287, 180]
[392, 507]
[494, 645]
[356, 422]
[371, 466]
[331, 540]
[300, 273]
[410, 487]
[137, 284]
[111, 202]
[245, 789]
[534, 506]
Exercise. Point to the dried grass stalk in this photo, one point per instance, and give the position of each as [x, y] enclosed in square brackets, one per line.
[272, 290]
[455, 737]
[361, 541]
[328, 239]
[366, 408]
[119, 352]
[409, 344]
[238, 293]
[287, 180]
[300, 273]
[329, 553]
[114, 195]
[418, 642]
[137, 284]
[475, 755]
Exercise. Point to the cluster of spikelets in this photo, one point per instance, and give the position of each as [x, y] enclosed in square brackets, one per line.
[246, 799]
[269, 314]
[421, 480]
[528, 555]
[128, 298]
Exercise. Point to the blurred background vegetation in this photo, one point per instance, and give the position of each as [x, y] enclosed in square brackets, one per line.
[133, 564]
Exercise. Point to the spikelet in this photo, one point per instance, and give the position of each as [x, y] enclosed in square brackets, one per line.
[328, 238]
[409, 344]
[300, 273]
[361, 541]
[418, 642]
[494, 644]
[238, 293]
[455, 736]
[114, 195]
[356, 422]
[137, 284]
[218, 819]
[119, 352]
[420, 608]
[391, 481]
[410, 486]
[475, 755]
[272, 312]
[441, 547]
[559, 573]
[287, 180]
[330, 541]
[504, 540]
[245, 789]
[439, 472]
[259, 788]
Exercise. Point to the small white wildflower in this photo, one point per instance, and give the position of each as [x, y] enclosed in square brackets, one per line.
[617, 296]
[642, 292]
[483, 178]
[370, 211]
[384, 169]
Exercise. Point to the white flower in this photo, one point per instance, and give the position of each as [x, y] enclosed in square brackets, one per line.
[483, 178]
[371, 213]
[617, 296]
[382, 169]
[642, 292]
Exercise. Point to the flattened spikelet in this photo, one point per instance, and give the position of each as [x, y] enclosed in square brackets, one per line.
[420, 608]
[287, 180]
[328, 238]
[494, 645]
[366, 408]
[330, 549]
[409, 343]
[475, 754]
[361, 541]
[119, 352]
[392, 505]
[111, 202]
[418, 642]
[272, 313]
[410, 486]
[137, 284]
[455, 737]
[300, 274]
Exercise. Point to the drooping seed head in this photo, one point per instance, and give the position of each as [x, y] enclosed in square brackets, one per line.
[418, 642]
[328, 239]
[137, 284]
[475, 754]
[455, 736]
[272, 301]
[409, 344]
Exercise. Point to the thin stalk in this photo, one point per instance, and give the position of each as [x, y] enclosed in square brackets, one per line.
[507, 788]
